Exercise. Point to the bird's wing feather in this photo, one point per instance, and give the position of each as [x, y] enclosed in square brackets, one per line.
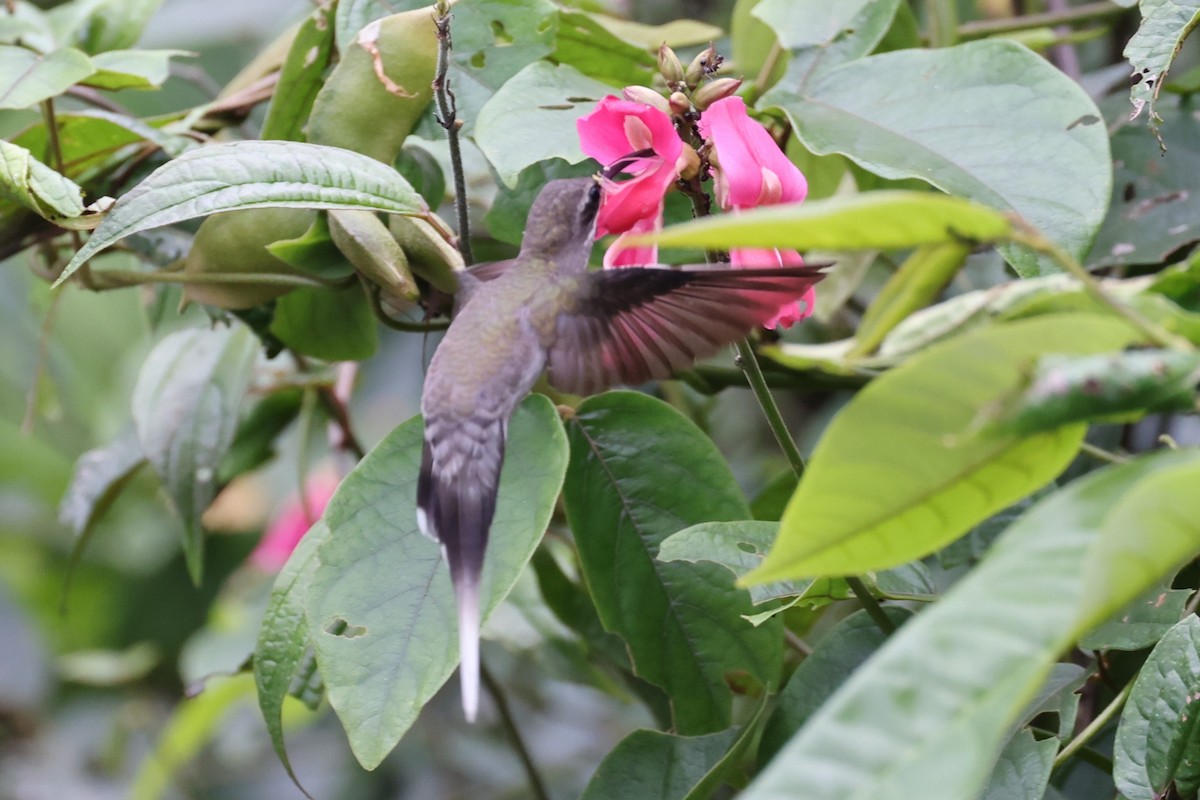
[639, 323]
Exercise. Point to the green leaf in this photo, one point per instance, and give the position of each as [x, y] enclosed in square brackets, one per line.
[493, 43]
[99, 476]
[821, 35]
[132, 69]
[917, 283]
[1023, 770]
[251, 174]
[894, 478]
[185, 409]
[956, 677]
[100, 25]
[588, 46]
[1157, 741]
[27, 78]
[834, 659]
[640, 472]
[283, 639]
[661, 766]
[505, 220]
[1140, 624]
[380, 576]
[25, 180]
[1155, 207]
[886, 220]
[987, 120]
[330, 324]
[313, 252]
[302, 75]
[676, 33]
[543, 98]
[93, 138]
[352, 15]
[738, 546]
[1060, 390]
[254, 443]
[1150, 51]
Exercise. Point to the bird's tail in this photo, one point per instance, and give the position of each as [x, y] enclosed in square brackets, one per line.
[456, 499]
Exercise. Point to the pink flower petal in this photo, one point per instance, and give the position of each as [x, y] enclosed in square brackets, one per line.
[605, 135]
[755, 257]
[620, 254]
[747, 154]
[292, 522]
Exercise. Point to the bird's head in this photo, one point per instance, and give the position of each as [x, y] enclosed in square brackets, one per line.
[562, 222]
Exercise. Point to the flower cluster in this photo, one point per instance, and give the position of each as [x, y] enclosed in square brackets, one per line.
[292, 521]
[647, 132]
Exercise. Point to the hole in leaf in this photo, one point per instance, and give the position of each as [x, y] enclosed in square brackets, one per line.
[1130, 192]
[500, 35]
[746, 547]
[478, 59]
[339, 627]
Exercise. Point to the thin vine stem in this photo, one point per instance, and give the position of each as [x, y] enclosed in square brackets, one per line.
[1102, 454]
[1094, 727]
[106, 279]
[448, 119]
[536, 785]
[1070, 16]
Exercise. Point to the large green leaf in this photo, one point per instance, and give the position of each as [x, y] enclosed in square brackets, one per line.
[650, 765]
[387, 584]
[639, 472]
[987, 120]
[1157, 742]
[587, 45]
[1165, 24]
[99, 475]
[101, 25]
[955, 678]
[330, 324]
[283, 640]
[542, 97]
[185, 408]
[820, 35]
[1141, 623]
[885, 220]
[301, 76]
[1023, 769]
[27, 78]
[251, 174]
[897, 474]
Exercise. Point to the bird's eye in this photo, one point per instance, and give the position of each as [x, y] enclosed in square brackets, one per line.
[592, 204]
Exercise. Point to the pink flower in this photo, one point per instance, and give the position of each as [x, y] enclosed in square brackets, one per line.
[612, 132]
[293, 521]
[749, 171]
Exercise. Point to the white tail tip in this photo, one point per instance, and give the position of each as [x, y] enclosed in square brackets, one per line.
[468, 648]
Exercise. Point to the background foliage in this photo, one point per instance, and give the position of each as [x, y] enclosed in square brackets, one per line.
[217, 221]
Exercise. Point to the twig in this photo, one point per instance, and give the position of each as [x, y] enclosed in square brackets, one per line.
[1094, 727]
[338, 411]
[754, 376]
[1078, 14]
[514, 735]
[448, 119]
[1102, 454]
[106, 279]
[57, 155]
[796, 643]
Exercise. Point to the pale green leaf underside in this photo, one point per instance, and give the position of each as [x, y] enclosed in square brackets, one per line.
[27, 78]
[36, 186]
[898, 473]
[1165, 24]
[252, 174]
[955, 678]
[389, 585]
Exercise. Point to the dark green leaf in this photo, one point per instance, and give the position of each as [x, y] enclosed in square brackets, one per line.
[330, 324]
[640, 472]
[254, 443]
[185, 409]
[251, 174]
[1037, 143]
[588, 46]
[1157, 741]
[1023, 770]
[301, 76]
[423, 171]
[896, 476]
[837, 655]
[378, 573]
[505, 220]
[1142, 623]
[314, 252]
[738, 546]
[283, 640]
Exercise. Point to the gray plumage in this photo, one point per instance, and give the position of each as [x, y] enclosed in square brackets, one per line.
[587, 331]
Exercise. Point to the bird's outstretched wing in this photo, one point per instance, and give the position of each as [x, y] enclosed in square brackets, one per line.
[638, 323]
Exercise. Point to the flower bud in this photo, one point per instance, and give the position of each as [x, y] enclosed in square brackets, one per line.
[688, 163]
[716, 90]
[703, 65]
[679, 103]
[647, 97]
[669, 65]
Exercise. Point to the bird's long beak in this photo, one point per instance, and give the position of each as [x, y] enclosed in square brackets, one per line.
[616, 167]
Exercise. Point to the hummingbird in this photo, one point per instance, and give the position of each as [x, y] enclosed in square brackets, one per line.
[544, 311]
